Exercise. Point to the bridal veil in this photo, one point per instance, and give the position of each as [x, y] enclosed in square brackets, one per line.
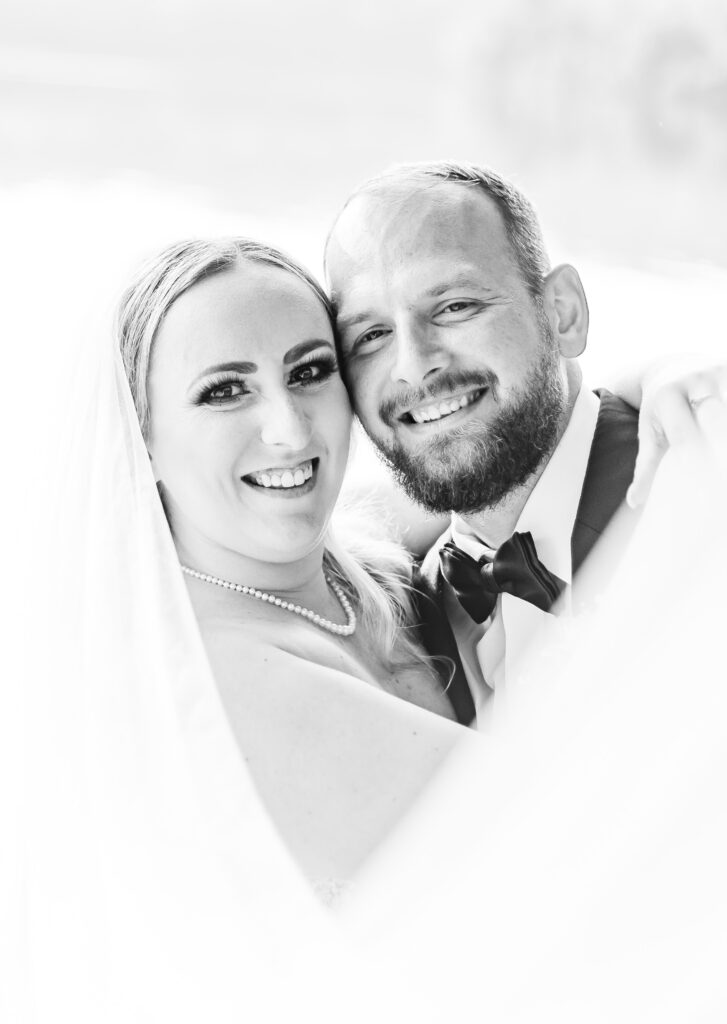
[568, 862]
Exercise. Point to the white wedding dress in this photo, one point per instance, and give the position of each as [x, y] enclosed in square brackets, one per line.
[568, 863]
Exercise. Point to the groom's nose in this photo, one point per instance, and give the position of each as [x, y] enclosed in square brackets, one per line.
[417, 353]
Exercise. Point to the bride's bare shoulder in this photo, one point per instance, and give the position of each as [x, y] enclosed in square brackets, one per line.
[335, 759]
[247, 645]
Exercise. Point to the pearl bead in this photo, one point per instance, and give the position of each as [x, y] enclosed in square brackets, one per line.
[306, 613]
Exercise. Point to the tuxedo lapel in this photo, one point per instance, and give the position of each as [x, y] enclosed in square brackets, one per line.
[436, 633]
[609, 473]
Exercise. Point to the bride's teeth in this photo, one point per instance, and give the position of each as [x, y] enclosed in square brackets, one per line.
[285, 478]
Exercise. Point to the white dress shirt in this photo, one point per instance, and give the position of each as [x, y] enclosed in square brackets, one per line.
[491, 649]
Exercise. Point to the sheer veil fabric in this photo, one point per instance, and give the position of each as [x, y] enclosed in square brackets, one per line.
[588, 841]
[569, 861]
[153, 883]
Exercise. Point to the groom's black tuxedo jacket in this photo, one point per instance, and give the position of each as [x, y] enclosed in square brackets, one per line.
[609, 472]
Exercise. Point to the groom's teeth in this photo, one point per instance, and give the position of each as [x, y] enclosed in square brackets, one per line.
[436, 412]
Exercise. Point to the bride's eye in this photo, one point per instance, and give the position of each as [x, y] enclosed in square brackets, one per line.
[306, 374]
[222, 392]
[314, 372]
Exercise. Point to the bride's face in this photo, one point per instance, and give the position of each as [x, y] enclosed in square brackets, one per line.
[250, 422]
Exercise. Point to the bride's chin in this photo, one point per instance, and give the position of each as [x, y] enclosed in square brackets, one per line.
[238, 554]
[288, 546]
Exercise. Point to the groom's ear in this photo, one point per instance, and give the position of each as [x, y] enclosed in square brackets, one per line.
[567, 310]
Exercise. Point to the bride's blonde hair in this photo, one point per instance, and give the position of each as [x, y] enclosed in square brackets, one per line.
[375, 571]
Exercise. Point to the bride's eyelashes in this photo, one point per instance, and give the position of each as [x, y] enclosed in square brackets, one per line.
[313, 370]
[226, 388]
[221, 390]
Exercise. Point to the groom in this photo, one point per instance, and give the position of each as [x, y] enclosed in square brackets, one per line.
[460, 346]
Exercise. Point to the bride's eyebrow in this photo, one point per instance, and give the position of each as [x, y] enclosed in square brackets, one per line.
[237, 367]
[297, 351]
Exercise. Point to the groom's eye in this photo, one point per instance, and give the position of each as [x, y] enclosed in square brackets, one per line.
[367, 340]
[458, 306]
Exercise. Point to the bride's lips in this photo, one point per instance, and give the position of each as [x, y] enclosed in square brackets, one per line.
[290, 481]
[450, 408]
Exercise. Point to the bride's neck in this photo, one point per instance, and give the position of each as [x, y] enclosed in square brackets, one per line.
[301, 578]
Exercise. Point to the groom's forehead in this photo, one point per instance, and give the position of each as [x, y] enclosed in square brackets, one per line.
[385, 234]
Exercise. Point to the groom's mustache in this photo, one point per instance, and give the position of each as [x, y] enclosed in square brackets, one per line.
[447, 383]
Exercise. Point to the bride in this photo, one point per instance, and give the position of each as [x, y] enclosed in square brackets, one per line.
[231, 358]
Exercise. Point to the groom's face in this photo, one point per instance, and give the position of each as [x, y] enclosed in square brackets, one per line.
[449, 360]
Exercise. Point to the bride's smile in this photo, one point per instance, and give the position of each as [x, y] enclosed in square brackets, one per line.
[249, 425]
[293, 479]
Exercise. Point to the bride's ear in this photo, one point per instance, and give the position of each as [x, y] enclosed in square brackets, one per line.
[567, 309]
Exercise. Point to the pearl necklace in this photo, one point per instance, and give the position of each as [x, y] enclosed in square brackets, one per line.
[288, 606]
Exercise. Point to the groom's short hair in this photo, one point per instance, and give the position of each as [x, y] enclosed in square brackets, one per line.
[521, 221]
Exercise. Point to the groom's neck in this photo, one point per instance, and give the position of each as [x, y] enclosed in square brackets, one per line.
[493, 525]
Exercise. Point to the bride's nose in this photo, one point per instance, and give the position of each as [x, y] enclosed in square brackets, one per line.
[284, 421]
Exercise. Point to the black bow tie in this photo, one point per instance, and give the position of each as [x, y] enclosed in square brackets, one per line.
[515, 569]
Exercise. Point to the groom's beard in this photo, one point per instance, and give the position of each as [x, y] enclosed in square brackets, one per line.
[473, 467]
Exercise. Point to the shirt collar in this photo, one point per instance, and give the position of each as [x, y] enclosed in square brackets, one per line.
[550, 512]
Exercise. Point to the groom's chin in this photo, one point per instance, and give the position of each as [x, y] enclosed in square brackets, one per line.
[431, 493]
